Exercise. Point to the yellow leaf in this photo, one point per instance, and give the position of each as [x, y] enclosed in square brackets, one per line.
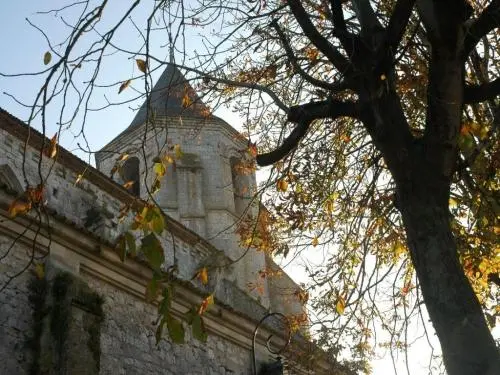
[123, 86]
[315, 241]
[47, 57]
[159, 169]
[141, 64]
[340, 306]
[123, 157]
[178, 151]
[40, 270]
[78, 179]
[202, 275]
[453, 203]
[282, 185]
[53, 147]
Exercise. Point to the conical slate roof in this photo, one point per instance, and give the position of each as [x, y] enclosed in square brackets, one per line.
[172, 95]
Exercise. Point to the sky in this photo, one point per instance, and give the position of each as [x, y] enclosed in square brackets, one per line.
[22, 51]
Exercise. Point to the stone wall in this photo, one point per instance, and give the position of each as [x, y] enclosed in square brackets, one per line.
[83, 225]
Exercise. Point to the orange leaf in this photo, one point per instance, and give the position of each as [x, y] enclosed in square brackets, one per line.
[252, 149]
[203, 275]
[205, 304]
[340, 307]
[128, 184]
[186, 100]
[123, 86]
[18, 207]
[282, 185]
[141, 64]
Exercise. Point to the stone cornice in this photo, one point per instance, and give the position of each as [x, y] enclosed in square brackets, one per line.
[85, 255]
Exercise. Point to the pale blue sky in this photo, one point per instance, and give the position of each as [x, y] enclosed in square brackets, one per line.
[23, 51]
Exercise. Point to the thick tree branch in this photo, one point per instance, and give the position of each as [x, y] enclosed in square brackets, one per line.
[486, 22]
[397, 24]
[293, 60]
[347, 39]
[321, 43]
[366, 15]
[303, 115]
[481, 93]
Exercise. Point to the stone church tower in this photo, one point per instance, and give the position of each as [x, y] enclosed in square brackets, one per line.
[203, 190]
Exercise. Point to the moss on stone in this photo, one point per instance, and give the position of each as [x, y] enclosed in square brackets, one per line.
[53, 314]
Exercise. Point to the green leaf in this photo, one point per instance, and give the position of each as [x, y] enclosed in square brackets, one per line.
[198, 328]
[131, 243]
[121, 247]
[47, 57]
[175, 329]
[164, 306]
[158, 223]
[159, 331]
[153, 251]
[152, 289]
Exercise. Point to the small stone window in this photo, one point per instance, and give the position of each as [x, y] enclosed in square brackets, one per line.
[130, 172]
[8, 178]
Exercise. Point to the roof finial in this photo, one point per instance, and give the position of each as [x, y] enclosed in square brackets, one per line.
[171, 49]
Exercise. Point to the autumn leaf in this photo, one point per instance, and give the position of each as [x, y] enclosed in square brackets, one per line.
[47, 57]
[282, 185]
[202, 275]
[40, 271]
[159, 169]
[141, 65]
[205, 304]
[123, 86]
[19, 207]
[340, 306]
[128, 184]
[186, 100]
[122, 157]
[78, 179]
[252, 149]
[53, 147]
[315, 241]
[312, 54]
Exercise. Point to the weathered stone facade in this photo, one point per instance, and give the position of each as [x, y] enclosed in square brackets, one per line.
[54, 329]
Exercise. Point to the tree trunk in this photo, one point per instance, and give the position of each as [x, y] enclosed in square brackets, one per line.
[467, 344]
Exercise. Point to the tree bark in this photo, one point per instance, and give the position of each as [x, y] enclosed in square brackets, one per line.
[467, 344]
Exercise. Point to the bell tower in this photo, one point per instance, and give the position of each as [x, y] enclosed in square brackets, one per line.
[204, 189]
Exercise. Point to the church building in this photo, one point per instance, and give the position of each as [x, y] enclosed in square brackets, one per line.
[70, 305]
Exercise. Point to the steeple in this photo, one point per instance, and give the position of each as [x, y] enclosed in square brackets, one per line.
[172, 95]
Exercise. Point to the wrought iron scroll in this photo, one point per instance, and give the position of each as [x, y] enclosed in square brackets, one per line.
[268, 341]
